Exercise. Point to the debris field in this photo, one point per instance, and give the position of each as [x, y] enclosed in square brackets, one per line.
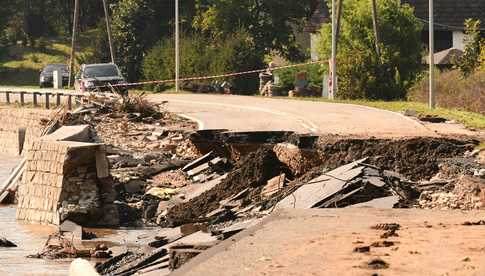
[198, 188]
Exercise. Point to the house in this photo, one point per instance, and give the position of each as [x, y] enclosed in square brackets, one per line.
[450, 16]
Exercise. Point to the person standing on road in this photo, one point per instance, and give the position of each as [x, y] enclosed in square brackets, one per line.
[266, 81]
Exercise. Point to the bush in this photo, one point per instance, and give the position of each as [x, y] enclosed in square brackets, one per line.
[203, 56]
[470, 60]
[41, 44]
[287, 77]
[361, 74]
[452, 91]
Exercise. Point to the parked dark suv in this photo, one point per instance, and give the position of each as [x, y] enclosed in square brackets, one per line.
[100, 78]
[46, 78]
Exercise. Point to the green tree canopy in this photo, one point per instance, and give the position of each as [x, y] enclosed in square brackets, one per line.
[271, 23]
[360, 73]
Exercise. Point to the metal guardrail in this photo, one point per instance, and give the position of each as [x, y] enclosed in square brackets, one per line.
[46, 94]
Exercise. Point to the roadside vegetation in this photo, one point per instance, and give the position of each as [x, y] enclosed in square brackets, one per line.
[219, 36]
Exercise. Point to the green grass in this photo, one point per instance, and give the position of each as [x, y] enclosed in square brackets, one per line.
[22, 64]
[469, 119]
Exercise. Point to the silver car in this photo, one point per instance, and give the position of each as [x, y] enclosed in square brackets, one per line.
[100, 78]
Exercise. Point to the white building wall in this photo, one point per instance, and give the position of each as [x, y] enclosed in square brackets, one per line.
[313, 46]
[459, 40]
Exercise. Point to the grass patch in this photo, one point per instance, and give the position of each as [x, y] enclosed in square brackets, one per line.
[469, 119]
[22, 64]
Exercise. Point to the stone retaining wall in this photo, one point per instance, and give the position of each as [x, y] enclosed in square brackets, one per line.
[61, 182]
[19, 127]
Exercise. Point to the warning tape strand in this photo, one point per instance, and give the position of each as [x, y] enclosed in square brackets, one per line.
[214, 76]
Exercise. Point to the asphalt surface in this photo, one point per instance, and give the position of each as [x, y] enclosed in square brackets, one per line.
[429, 242]
[245, 113]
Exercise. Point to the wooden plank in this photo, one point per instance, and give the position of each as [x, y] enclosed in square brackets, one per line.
[12, 180]
[198, 162]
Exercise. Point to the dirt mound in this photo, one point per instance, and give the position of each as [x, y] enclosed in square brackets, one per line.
[253, 171]
[416, 158]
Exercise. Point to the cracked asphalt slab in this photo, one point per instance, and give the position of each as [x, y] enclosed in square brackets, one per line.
[246, 113]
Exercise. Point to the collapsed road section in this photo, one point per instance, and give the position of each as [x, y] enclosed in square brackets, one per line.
[126, 162]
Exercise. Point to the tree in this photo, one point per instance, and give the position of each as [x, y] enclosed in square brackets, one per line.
[130, 18]
[470, 60]
[360, 73]
[271, 23]
[205, 56]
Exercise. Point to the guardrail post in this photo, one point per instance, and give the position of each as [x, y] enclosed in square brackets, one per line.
[47, 100]
[58, 99]
[7, 97]
[78, 101]
[34, 99]
[69, 102]
[22, 98]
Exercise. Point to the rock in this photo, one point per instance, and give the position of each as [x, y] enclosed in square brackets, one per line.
[134, 186]
[80, 267]
[410, 112]
[481, 157]
[6, 243]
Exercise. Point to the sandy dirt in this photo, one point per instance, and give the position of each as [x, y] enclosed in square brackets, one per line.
[322, 242]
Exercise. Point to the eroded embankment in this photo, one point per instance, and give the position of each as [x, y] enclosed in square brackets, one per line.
[416, 158]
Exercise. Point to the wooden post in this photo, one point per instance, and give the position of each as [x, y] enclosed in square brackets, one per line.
[69, 102]
[34, 99]
[58, 99]
[7, 97]
[78, 101]
[375, 22]
[108, 30]
[22, 98]
[47, 100]
[73, 43]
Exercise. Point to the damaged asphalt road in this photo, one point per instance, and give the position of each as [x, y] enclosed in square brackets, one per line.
[198, 189]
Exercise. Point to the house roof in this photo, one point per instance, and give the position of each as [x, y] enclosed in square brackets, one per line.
[449, 14]
[446, 57]
[320, 15]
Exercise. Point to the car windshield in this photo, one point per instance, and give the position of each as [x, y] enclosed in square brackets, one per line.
[56, 67]
[101, 71]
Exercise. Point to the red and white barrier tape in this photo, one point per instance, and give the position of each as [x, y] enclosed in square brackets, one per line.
[215, 76]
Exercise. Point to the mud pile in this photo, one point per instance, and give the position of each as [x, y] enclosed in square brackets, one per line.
[416, 159]
[249, 174]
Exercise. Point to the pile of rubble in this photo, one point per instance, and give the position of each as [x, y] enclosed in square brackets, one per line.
[214, 206]
[460, 184]
[206, 186]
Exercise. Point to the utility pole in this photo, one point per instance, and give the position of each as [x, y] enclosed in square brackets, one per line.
[375, 23]
[333, 61]
[73, 44]
[432, 103]
[108, 31]
[339, 16]
[177, 47]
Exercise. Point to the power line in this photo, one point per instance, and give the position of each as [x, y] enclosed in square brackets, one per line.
[445, 25]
